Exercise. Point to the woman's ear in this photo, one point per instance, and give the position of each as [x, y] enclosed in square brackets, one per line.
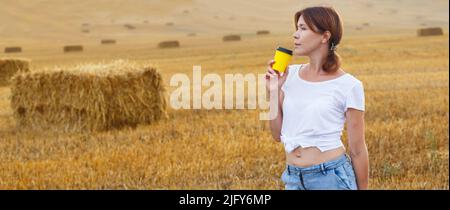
[326, 36]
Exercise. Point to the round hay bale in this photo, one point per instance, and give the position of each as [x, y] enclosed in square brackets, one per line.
[14, 49]
[73, 48]
[108, 41]
[191, 34]
[231, 38]
[434, 31]
[169, 24]
[85, 31]
[169, 44]
[262, 32]
[88, 97]
[11, 66]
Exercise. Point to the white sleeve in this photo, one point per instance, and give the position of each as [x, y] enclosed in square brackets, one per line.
[355, 98]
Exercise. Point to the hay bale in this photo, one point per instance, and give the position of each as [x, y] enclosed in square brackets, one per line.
[85, 31]
[13, 49]
[10, 66]
[108, 41]
[191, 34]
[73, 48]
[129, 26]
[263, 32]
[436, 31]
[169, 24]
[230, 38]
[90, 97]
[169, 44]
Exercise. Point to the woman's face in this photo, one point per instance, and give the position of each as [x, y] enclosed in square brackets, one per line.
[305, 40]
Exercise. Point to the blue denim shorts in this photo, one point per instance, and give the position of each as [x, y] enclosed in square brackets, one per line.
[336, 174]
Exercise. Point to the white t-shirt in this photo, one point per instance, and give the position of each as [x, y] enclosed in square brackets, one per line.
[314, 112]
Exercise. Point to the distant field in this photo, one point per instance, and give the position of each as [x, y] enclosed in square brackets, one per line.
[406, 81]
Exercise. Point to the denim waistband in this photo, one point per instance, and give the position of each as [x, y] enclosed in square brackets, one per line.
[332, 164]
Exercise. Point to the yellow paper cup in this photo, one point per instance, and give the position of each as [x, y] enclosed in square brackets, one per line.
[282, 59]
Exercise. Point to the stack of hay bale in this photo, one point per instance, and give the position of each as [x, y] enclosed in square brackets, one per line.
[129, 26]
[108, 41]
[169, 44]
[231, 38]
[11, 66]
[14, 49]
[433, 31]
[263, 32]
[73, 48]
[90, 97]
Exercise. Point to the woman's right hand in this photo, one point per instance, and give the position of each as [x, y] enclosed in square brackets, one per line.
[271, 75]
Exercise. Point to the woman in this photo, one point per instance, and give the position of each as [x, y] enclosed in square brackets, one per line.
[314, 102]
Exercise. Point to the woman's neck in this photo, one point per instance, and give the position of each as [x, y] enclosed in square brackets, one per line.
[316, 61]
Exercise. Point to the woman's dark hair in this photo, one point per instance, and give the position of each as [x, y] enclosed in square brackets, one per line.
[319, 20]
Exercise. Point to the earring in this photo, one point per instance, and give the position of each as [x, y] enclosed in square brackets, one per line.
[333, 47]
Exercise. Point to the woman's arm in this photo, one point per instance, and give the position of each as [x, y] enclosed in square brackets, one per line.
[357, 146]
[276, 97]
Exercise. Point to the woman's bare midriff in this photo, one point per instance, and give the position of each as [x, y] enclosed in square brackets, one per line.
[305, 157]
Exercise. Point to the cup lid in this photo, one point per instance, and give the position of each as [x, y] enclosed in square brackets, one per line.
[282, 49]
